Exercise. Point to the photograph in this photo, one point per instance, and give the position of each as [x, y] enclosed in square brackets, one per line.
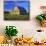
[16, 10]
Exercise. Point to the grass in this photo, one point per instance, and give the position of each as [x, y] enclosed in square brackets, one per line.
[16, 17]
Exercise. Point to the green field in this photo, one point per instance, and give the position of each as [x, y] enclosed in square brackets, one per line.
[16, 17]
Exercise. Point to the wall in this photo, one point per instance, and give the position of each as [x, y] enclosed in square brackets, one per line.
[27, 28]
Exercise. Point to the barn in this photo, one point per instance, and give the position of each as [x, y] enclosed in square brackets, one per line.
[18, 11]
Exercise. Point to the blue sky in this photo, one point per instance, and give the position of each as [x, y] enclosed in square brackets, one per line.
[8, 5]
[16, 0]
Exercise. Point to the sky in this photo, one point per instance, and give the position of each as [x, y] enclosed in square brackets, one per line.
[16, 0]
[8, 5]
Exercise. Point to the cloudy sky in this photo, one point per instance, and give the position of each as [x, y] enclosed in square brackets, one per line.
[8, 5]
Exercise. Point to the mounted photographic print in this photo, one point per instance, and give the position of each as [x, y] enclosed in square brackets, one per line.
[16, 10]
